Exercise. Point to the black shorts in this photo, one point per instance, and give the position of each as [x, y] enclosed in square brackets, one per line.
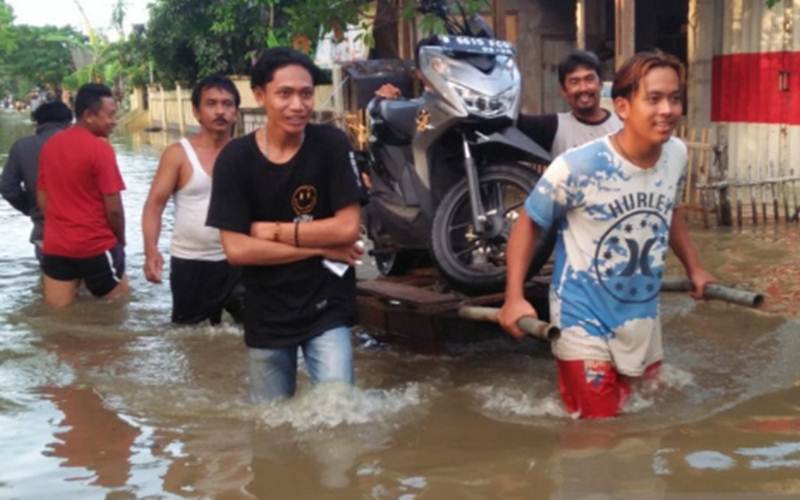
[101, 273]
[202, 289]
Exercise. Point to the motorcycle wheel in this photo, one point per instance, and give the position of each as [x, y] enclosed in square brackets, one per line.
[394, 263]
[476, 263]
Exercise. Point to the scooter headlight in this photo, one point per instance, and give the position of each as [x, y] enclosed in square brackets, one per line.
[484, 105]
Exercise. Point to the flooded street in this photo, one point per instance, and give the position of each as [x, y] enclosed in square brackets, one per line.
[112, 401]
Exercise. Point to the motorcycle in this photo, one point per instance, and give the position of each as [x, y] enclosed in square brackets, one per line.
[450, 170]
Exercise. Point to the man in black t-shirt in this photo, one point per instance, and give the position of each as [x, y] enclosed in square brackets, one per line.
[286, 200]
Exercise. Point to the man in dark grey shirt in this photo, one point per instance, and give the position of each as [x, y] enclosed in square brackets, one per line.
[18, 181]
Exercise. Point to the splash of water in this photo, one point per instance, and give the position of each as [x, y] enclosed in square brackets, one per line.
[331, 405]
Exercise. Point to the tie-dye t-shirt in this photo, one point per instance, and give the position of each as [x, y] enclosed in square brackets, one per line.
[613, 222]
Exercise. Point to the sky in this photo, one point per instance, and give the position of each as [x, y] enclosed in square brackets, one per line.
[64, 12]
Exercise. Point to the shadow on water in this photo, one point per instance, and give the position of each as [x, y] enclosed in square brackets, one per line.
[112, 401]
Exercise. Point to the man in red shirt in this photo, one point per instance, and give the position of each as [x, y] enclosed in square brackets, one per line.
[79, 189]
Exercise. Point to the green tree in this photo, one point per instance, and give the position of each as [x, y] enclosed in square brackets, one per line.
[42, 56]
[7, 35]
[190, 38]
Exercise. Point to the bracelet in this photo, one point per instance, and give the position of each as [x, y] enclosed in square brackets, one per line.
[276, 235]
[297, 232]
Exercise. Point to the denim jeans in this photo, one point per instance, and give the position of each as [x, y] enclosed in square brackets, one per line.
[273, 372]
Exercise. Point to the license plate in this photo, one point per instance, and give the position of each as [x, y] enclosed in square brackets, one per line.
[472, 45]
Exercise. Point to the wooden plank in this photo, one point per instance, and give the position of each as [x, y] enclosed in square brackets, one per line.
[580, 24]
[624, 31]
[690, 171]
[405, 293]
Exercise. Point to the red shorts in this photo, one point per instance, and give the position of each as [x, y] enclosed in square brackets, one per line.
[594, 389]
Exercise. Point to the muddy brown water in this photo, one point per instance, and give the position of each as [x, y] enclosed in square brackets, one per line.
[111, 401]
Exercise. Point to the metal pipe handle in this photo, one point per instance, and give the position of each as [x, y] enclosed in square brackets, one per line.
[716, 291]
[528, 324]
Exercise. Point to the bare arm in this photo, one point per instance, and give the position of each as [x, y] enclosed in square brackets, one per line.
[681, 244]
[341, 229]
[41, 200]
[244, 250]
[520, 249]
[165, 182]
[115, 215]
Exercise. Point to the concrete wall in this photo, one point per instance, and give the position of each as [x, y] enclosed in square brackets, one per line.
[172, 109]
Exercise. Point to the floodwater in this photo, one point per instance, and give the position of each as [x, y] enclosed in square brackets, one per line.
[111, 401]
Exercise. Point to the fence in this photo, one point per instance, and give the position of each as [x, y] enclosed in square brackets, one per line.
[755, 197]
[171, 109]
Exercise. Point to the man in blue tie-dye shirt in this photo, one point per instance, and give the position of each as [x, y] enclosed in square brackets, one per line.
[614, 204]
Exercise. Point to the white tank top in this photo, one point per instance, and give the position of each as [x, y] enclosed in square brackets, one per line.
[572, 132]
[191, 238]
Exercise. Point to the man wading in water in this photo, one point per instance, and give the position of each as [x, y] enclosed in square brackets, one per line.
[285, 198]
[201, 280]
[79, 192]
[18, 181]
[614, 204]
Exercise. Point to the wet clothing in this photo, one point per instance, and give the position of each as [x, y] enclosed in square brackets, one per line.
[559, 132]
[202, 282]
[613, 220]
[191, 238]
[328, 358]
[18, 181]
[288, 304]
[100, 273]
[202, 289]
[594, 389]
[76, 169]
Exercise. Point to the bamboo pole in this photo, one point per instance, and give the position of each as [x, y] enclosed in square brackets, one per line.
[796, 206]
[785, 198]
[181, 114]
[163, 107]
[738, 209]
[763, 200]
[753, 204]
[690, 170]
[775, 212]
[624, 31]
[580, 24]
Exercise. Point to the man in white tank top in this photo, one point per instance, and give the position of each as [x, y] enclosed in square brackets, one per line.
[580, 77]
[201, 280]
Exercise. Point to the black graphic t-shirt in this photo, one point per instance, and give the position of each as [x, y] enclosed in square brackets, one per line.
[288, 303]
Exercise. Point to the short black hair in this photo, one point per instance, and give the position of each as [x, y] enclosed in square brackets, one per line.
[577, 59]
[90, 97]
[52, 112]
[215, 81]
[276, 58]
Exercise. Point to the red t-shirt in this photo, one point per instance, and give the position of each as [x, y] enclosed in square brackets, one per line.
[76, 169]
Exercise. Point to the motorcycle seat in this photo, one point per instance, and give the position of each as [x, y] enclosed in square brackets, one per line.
[399, 117]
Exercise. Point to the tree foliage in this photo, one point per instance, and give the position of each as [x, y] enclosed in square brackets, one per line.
[190, 38]
[7, 35]
[41, 57]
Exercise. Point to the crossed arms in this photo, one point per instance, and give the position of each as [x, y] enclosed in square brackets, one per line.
[272, 243]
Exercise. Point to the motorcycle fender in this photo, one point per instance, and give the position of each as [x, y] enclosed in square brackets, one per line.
[513, 138]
